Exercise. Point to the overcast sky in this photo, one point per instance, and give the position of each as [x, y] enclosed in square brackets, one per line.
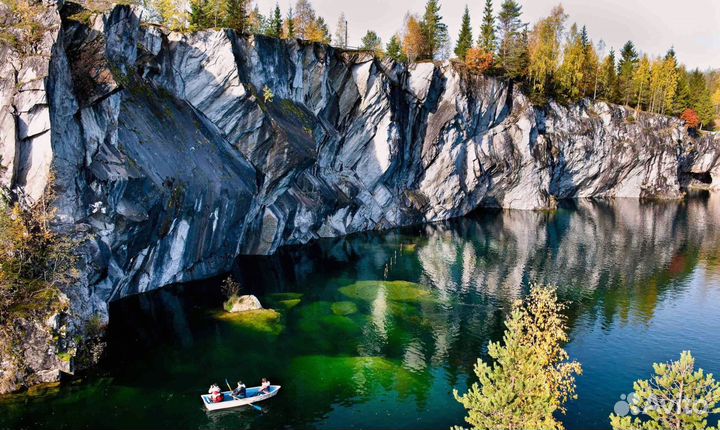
[691, 26]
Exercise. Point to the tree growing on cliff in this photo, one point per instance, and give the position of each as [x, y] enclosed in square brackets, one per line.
[35, 261]
[571, 72]
[544, 52]
[626, 70]
[171, 13]
[465, 39]
[200, 14]
[275, 24]
[371, 42]
[289, 25]
[236, 15]
[701, 99]
[487, 40]
[319, 31]
[434, 31]
[394, 50]
[678, 397]
[413, 40]
[304, 19]
[509, 26]
[478, 60]
[530, 379]
[691, 119]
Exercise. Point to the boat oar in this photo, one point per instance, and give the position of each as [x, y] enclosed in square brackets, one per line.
[236, 398]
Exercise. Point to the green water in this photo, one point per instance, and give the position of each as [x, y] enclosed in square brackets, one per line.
[376, 330]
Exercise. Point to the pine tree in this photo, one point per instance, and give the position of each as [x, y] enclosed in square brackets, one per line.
[608, 85]
[434, 30]
[236, 16]
[530, 379]
[584, 38]
[371, 42]
[682, 95]
[701, 99]
[394, 49]
[678, 397]
[626, 70]
[274, 27]
[465, 39]
[341, 31]
[518, 60]
[509, 25]
[487, 40]
[199, 14]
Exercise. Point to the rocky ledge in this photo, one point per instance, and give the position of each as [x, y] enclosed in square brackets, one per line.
[173, 153]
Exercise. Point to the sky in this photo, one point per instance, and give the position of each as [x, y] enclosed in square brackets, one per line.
[691, 26]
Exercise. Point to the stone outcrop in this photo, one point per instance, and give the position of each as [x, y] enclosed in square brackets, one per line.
[173, 153]
[243, 303]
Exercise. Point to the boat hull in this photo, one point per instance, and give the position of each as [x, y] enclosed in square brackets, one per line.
[252, 396]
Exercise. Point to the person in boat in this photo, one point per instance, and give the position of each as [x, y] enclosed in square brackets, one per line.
[216, 395]
[264, 386]
[240, 390]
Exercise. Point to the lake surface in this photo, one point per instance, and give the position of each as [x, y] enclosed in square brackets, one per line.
[376, 330]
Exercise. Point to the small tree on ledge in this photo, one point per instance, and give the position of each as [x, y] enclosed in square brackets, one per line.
[691, 118]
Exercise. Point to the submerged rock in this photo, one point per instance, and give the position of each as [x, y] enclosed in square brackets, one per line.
[265, 321]
[242, 303]
[396, 291]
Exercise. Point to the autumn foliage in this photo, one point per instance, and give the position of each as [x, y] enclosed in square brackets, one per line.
[413, 41]
[478, 60]
[691, 118]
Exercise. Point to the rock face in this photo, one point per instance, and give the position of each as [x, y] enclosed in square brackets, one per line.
[173, 153]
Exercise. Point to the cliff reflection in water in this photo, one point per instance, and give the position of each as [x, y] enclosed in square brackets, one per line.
[350, 340]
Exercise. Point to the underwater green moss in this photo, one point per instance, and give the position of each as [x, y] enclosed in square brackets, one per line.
[344, 308]
[288, 304]
[283, 301]
[322, 375]
[319, 318]
[258, 320]
[397, 291]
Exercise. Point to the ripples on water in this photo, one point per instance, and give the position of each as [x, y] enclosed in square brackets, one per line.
[643, 280]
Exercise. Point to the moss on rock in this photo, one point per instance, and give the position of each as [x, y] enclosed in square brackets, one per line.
[397, 291]
[259, 320]
[344, 308]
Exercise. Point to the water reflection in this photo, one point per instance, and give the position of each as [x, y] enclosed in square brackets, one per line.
[354, 351]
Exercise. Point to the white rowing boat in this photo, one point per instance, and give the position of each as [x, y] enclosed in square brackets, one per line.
[252, 396]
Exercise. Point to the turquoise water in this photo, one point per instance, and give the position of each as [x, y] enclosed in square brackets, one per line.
[376, 330]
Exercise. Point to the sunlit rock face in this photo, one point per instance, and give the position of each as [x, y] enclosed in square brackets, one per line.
[174, 153]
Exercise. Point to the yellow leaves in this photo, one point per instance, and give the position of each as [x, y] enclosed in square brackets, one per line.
[413, 41]
[544, 48]
[35, 260]
[530, 379]
[315, 33]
